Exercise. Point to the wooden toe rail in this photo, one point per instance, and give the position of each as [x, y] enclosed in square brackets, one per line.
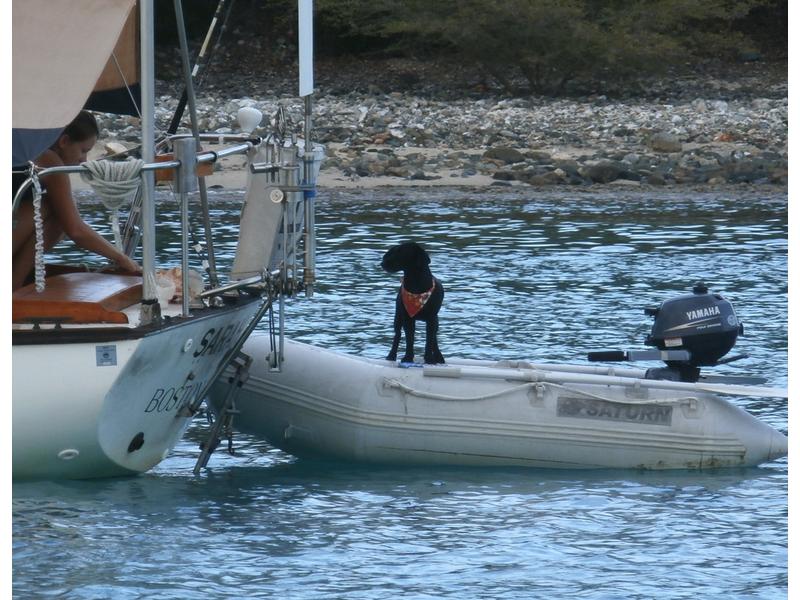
[78, 298]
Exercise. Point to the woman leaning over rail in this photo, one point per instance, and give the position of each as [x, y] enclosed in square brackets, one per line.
[60, 214]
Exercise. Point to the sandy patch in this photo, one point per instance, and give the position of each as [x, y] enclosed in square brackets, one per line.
[231, 174]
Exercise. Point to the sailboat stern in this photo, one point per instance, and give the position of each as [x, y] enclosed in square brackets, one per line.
[145, 413]
[114, 406]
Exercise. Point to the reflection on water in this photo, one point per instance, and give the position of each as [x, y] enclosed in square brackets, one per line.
[545, 276]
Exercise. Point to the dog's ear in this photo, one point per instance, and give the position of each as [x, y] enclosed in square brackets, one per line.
[422, 259]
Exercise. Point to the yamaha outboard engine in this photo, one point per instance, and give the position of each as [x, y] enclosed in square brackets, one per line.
[691, 331]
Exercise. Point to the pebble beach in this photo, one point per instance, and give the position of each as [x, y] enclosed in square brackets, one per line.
[697, 131]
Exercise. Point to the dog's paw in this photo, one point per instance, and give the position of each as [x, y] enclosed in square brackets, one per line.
[437, 359]
[407, 358]
[392, 357]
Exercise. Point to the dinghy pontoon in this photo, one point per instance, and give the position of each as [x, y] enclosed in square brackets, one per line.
[325, 404]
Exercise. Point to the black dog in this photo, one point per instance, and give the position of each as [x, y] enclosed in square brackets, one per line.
[419, 299]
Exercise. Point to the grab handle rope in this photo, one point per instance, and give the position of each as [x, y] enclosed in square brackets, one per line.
[38, 226]
[540, 387]
[116, 183]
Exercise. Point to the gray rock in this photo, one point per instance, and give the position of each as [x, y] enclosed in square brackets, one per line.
[708, 172]
[751, 121]
[549, 178]
[370, 164]
[630, 175]
[780, 176]
[504, 154]
[720, 106]
[538, 156]
[626, 183]
[398, 172]
[569, 166]
[665, 142]
[603, 171]
[748, 171]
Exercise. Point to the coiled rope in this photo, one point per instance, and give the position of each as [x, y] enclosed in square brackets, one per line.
[116, 184]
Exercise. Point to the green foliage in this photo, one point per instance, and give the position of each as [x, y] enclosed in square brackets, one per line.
[552, 42]
[537, 46]
[548, 42]
[353, 26]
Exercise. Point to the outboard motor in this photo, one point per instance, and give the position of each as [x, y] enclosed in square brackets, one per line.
[691, 331]
[704, 324]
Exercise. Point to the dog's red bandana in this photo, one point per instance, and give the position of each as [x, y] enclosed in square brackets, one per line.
[415, 302]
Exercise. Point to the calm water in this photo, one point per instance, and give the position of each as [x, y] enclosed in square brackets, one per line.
[545, 276]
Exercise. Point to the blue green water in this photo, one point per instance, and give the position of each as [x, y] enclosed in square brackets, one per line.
[546, 276]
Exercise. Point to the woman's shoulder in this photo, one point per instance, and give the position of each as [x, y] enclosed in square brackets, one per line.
[57, 184]
[48, 158]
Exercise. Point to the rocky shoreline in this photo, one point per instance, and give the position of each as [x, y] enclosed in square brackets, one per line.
[405, 139]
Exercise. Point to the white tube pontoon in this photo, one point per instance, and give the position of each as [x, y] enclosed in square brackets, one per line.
[326, 404]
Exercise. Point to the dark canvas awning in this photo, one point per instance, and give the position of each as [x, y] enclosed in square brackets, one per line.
[117, 90]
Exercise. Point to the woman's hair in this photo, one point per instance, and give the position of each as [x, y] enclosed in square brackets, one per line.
[82, 127]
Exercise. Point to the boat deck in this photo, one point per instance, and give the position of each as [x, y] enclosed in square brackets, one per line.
[78, 298]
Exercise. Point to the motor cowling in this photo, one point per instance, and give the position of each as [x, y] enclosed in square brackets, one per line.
[702, 323]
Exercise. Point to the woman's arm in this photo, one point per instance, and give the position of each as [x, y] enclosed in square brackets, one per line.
[59, 197]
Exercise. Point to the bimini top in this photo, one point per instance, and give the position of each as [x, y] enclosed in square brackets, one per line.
[63, 52]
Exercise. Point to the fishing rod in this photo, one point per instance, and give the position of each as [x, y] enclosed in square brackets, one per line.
[203, 59]
[131, 234]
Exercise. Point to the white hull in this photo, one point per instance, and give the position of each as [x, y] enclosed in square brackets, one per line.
[331, 405]
[77, 416]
